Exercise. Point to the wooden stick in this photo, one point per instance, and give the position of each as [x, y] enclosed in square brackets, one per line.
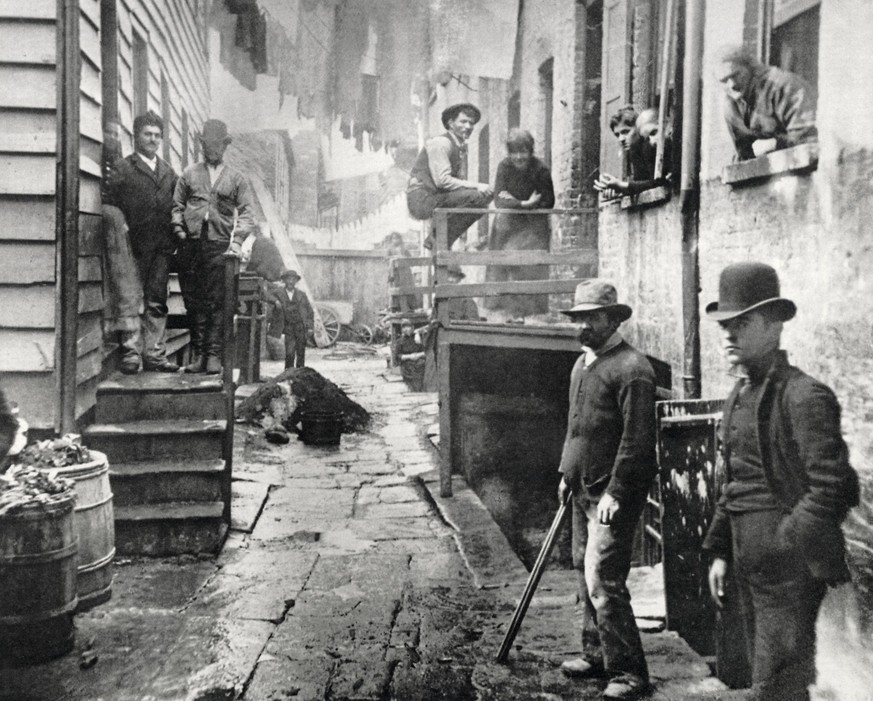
[533, 580]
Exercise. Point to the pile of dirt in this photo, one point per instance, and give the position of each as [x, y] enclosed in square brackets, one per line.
[281, 400]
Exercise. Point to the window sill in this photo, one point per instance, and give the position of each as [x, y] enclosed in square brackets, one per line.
[797, 159]
[656, 195]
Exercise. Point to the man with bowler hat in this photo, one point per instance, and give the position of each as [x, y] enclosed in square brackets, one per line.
[787, 487]
[439, 175]
[608, 463]
[292, 315]
[212, 215]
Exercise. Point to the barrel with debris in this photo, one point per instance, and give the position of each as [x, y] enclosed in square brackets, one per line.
[38, 547]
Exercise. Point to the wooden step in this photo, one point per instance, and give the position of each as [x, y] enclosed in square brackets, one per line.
[118, 407]
[174, 528]
[176, 439]
[154, 482]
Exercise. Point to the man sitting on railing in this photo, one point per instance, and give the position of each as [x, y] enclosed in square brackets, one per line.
[439, 175]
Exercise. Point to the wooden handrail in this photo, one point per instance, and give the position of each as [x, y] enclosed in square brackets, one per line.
[489, 289]
[574, 256]
[231, 294]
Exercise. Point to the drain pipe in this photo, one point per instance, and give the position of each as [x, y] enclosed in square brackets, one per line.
[690, 196]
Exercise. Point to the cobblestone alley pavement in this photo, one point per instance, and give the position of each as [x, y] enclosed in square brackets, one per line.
[346, 578]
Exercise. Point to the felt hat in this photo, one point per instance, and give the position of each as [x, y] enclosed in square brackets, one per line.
[449, 113]
[596, 295]
[744, 287]
[214, 130]
[290, 274]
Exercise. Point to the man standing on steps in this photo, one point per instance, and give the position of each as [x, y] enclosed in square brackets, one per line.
[212, 215]
[142, 186]
[608, 462]
[439, 175]
[788, 486]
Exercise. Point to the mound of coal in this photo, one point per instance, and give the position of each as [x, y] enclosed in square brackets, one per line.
[311, 391]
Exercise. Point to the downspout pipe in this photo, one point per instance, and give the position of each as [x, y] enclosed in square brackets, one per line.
[689, 195]
[67, 214]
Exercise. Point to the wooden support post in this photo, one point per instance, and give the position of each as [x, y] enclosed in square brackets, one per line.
[228, 353]
[444, 359]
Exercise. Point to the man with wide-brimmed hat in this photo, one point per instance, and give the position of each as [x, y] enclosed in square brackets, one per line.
[787, 487]
[608, 462]
[212, 215]
[439, 176]
[293, 316]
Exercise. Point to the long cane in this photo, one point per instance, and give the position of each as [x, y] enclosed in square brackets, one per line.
[534, 579]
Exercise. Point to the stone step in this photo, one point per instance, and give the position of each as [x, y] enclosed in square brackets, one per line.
[153, 396]
[154, 482]
[176, 439]
[175, 528]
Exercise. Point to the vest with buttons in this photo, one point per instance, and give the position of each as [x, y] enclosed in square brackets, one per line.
[420, 174]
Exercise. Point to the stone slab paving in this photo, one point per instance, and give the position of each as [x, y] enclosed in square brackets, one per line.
[354, 581]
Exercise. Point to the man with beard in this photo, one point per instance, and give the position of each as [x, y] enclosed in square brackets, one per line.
[208, 197]
[439, 175]
[608, 463]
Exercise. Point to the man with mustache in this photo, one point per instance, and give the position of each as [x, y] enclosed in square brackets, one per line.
[608, 462]
[439, 175]
[788, 486]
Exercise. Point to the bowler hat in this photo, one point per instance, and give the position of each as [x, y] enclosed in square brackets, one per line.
[596, 295]
[743, 287]
[449, 113]
[288, 274]
[214, 130]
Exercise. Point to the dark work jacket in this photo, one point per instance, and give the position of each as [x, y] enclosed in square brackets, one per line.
[420, 174]
[291, 315]
[146, 199]
[806, 465]
[610, 443]
[265, 261]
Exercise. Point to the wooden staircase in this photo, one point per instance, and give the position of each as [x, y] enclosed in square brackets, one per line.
[169, 444]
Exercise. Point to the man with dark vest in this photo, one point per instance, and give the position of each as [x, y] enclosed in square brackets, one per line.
[142, 186]
[212, 215]
[439, 175]
[788, 485]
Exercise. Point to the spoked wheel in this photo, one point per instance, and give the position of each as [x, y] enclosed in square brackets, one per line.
[364, 334]
[331, 326]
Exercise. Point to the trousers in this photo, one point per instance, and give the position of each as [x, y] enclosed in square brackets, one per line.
[601, 558]
[295, 346]
[154, 272]
[779, 600]
[422, 202]
[201, 279]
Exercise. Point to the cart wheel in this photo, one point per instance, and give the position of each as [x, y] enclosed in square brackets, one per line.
[331, 324]
[364, 334]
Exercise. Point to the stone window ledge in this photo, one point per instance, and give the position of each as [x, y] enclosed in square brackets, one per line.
[797, 159]
[655, 195]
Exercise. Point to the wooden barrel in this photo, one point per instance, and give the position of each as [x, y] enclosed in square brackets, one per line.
[95, 526]
[37, 582]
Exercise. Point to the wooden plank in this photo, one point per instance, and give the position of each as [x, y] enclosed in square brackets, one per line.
[90, 197]
[31, 87]
[32, 9]
[27, 42]
[27, 350]
[91, 120]
[36, 396]
[578, 256]
[89, 44]
[86, 396]
[90, 235]
[90, 83]
[27, 174]
[90, 297]
[89, 166]
[89, 365]
[411, 261]
[90, 269]
[90, 10]
[90, 333]
[28, 122]
[476, 337]
[343, 253]
[488, 289]
[409, 290]
[27, 218]
[32, 142]
[24, 263]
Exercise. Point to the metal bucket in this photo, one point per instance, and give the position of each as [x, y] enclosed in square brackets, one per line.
[321, 427]
[38, 582]
[95, 525]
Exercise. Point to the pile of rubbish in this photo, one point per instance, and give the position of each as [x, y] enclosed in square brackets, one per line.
[279, 403]
[59, 452]
[24, 486]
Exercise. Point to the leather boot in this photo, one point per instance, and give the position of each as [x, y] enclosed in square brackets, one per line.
[213, 365]
[198, 338]
[212, 342]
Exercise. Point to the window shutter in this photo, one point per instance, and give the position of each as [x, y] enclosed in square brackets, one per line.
[616, 78]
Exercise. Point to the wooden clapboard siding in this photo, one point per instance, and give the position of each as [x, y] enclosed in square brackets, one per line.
[28, 148]
[35, 393]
